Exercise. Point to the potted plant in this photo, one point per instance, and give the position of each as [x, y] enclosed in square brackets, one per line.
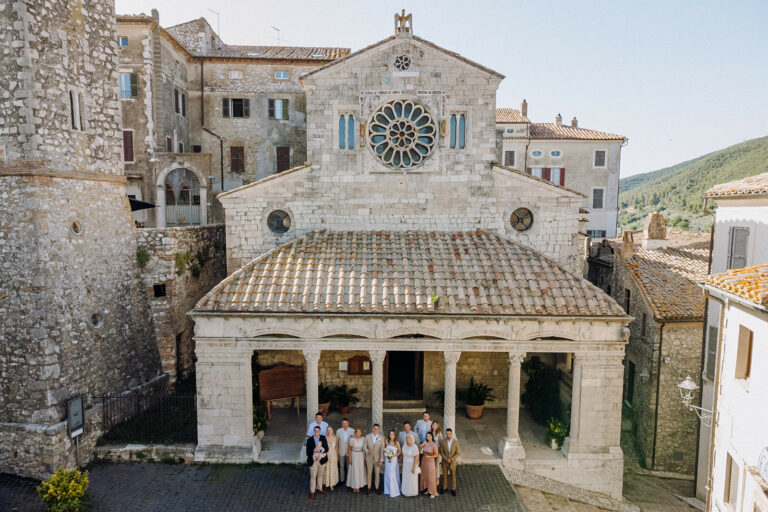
[475, 398]
[259, 422]
[344, 397]
[557, 432]
[324, 397]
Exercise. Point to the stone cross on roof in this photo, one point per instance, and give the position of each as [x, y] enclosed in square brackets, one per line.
[403, 23]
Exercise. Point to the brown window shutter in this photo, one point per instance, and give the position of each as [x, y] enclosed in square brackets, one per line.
[169, 144]
[285, 109]
[528, 170]
[237, 158]
[271, 109]
[183, 104]
[225, 107]
[176, 100]
[134, 85]
[246, 107]
[546, 173]
[562, 177]
[128, 145]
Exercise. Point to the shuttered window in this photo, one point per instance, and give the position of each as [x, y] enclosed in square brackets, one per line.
[128, 145]
[176, 100]
[509, 158]
[737, 250]
[600, 158]
[712, 335]
[129, 85]
[237, 158]
[183, 104]
[597, 198]
[169, 144]
[277, 109]
[236, 107]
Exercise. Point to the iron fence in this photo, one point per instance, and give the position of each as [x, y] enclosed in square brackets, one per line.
[133, 418]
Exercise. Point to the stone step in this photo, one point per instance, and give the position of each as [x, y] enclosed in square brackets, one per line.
[416, 406]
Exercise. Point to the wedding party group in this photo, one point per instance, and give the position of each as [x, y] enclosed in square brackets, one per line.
[408, 462]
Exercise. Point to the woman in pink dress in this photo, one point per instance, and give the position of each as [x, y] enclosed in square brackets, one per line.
[428, 476]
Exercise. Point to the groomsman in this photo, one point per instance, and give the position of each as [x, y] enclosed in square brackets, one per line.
[374, 456]
[317, 423]
[404, 433]
[423, 426]
[317, 456]
[450, 452]
[343, 435]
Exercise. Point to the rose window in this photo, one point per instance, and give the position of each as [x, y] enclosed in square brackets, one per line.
[402, 134]
[402, 62]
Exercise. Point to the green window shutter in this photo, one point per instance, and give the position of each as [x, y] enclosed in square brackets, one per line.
[225, 107]
[246, 107]
[134, 85]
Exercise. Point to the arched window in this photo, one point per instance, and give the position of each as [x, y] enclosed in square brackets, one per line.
[462, 130]
[351, 131]
[182, 198]
[453, 131]
[346, 131]
[342, 128]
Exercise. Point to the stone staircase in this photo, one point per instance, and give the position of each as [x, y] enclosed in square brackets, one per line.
[538, 501]
[405, 406]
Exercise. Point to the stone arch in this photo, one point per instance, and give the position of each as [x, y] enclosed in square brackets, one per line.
[202, 187]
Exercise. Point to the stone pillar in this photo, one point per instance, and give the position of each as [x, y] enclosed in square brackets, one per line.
[449, 402]
[511, 448]
[312, 357]
[377, 386]
[160, 206]
[224, 404]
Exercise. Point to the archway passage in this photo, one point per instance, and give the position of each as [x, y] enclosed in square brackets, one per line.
[182, 198]
[404, 375]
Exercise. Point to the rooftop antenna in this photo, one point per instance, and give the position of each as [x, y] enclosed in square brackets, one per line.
[218, 22]
[278, 33]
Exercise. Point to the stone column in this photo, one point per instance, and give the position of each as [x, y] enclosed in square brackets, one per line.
[160, 207]
[203, 204]
[449, 402]
[511, 448]
[312, 357]
[377, 386]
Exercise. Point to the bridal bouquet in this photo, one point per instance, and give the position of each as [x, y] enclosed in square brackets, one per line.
[390, 452]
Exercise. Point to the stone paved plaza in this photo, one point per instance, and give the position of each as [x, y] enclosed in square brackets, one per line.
[149, 487]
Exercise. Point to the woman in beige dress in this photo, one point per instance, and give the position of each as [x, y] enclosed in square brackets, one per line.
[427, 481]
[356, 475]
[331, 473]
[437, 435]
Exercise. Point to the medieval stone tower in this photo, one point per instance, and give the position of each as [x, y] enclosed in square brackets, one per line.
[73, 318]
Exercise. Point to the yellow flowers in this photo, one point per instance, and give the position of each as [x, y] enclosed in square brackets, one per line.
[65, 491]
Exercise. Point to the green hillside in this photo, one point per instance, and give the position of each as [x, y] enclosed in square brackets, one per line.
[678, 191]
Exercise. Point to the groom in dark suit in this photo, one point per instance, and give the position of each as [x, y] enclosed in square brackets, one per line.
[317, 456]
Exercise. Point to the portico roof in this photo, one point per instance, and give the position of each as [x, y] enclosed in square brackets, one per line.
[413, 272]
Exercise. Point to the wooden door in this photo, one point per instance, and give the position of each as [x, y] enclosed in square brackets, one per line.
[283, 158]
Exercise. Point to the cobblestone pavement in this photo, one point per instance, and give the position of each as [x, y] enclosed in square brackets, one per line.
[230, 488]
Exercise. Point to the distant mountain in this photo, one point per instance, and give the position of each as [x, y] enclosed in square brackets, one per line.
[678, 191]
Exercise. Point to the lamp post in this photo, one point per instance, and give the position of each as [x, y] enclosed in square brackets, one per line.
[688, 390]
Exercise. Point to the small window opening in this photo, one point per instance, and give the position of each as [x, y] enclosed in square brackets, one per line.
[159, 290]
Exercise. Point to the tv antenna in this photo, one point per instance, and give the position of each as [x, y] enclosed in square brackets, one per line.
[276, 29]
[218, 22]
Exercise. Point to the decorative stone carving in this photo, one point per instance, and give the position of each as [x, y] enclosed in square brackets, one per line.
[377, 386]
[312, 357]
[449, 401]
[402, 134]
[511, 448]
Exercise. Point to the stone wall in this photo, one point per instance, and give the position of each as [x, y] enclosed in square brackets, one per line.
[183, 284]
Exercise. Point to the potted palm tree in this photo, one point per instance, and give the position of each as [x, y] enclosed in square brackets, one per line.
[344, 397]
[324, 397]
[475, 398]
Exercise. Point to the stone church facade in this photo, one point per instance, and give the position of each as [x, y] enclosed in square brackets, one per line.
[401, 227]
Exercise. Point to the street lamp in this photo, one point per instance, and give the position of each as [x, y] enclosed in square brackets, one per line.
[688, 390]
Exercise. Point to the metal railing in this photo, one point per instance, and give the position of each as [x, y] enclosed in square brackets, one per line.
[132, 418]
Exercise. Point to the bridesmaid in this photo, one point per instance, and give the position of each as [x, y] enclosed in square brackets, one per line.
[356, 475]
[428, 472]
[437, 436]
[410, 485]
[331, 473]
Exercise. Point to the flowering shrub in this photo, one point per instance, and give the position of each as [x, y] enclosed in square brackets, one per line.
[65, 491]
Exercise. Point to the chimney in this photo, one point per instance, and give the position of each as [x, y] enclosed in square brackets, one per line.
[655, 232]
[575, 122]
[627, 245]
[156, 16]
[559, 120]
[524, 108]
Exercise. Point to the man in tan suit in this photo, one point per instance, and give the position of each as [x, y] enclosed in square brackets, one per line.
[450, 452]
[374, 456]
[344, 434]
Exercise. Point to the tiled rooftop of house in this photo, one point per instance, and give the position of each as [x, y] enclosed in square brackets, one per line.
[400, 272]
[668, 277]
[510, 115]
[553, 131]
[750, 283]
[750, 186]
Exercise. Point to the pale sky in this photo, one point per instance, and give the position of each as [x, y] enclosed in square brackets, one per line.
[679, 78]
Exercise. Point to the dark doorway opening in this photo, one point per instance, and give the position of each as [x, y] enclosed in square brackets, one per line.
[404, 375]
[283, 158]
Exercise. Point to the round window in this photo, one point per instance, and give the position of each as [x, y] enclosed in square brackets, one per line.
[555, 153]
[521, 219]
[402, 62]
[537, 153]
[279, 222]
[402, 134]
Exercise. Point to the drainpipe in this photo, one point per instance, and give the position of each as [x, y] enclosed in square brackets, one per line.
[718, 359]
[658, 388]
[202, 123]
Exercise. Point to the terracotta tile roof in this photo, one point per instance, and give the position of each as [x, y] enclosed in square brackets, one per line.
[668, 278]
[510, 115]
[280, 52]
[552, 131]
[398, 273]
[750, 283]
[750, 186]
[674, 239]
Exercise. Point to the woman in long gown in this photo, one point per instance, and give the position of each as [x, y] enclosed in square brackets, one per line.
[331, 473]
[428, 480]
[410, 485]
[356, 475]
[437, 436]
[392, 466]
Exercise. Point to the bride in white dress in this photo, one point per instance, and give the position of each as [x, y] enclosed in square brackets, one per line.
[410, 467]
[391, 466]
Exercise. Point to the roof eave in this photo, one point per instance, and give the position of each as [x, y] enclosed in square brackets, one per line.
[707, 287]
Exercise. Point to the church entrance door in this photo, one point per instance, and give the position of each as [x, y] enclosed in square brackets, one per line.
[404, 375]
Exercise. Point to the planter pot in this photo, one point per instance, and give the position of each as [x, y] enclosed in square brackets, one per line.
[323, 408]
[260, 434]
[344, 409]
[474, 412]
[553, 444]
